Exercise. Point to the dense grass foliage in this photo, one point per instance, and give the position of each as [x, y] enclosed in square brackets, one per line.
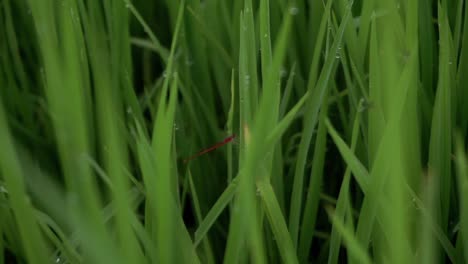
[350, 120]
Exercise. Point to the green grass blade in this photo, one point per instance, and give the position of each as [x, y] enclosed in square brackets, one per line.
[359, 171]
[287, 91]
[434, 225]
[311, 205]
[253, 143]
[196, 203]
[462, 172]
[313, 106]
[441, 132]
[357, 168]
[265, 37]
[155, 43]
[212, 39]
[109, 106]
[342, 205]
[229, 126]
[277, 223]
[461, 77]
[32, 241]
[223, 201]
[354, 248]
[53, 232]
[2, 247]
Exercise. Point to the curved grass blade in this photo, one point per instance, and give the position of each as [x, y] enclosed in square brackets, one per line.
[31, 237]
[312, 109]
[342, 207]
[222, 202]
[353, 245]
[277, 222]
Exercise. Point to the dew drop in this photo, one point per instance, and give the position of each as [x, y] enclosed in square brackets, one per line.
[189, 61]
[283, 72]
[247, 79]
[294, 10]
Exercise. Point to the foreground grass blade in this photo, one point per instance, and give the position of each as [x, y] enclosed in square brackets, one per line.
[216, 210]
[441, 132]
[343, 198]
[2, 250]
[32, 241]
[461, 77]
[109, 104]
[359, 171]
[254, 141]
[462, 172]
[358, 168]
[196, 203]
[277, 223]
[313, 106]
[350, 241]
[315, 187]
[61, 49]
[156, 45]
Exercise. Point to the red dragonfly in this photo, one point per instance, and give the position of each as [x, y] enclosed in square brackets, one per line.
[215, 146]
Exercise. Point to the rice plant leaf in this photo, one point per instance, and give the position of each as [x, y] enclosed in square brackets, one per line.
[32, 240]
[310, 117]
[441, 132]
[223, 201]
[342, 206]
[359, 171]
[311, 204]
[155, 43]
[352, 244]
[277, 223]
[462, 173]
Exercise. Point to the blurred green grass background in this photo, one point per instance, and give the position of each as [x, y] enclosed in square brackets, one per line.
[350, 120]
